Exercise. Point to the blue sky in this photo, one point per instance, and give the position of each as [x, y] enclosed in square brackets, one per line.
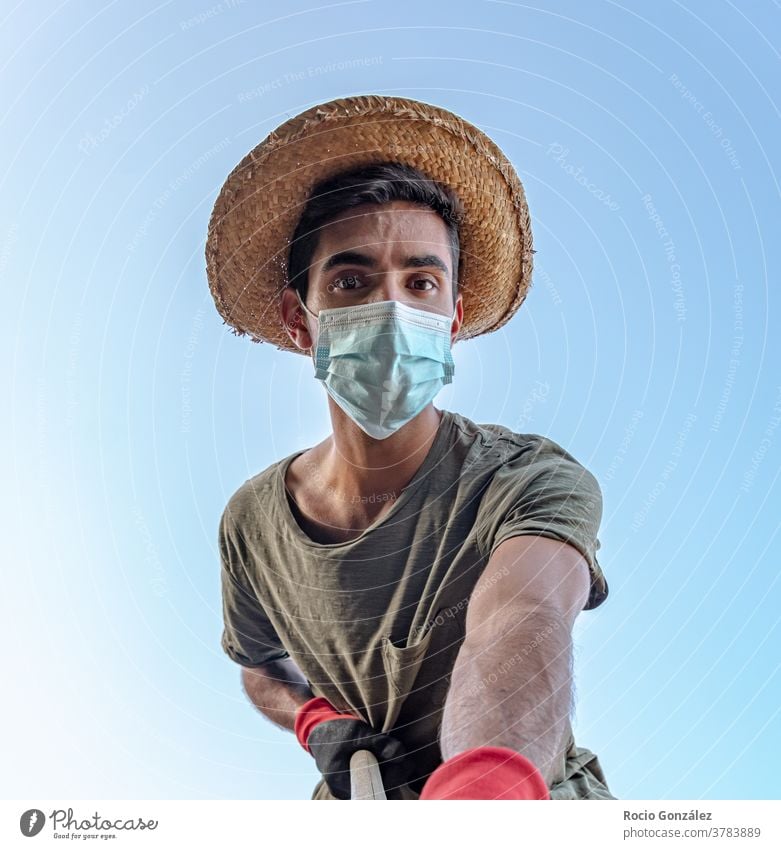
[646, 136]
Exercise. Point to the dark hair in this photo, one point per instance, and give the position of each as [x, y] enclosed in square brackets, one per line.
[378, 183]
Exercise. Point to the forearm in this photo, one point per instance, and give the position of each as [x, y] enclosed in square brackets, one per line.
[512, 686]
[277, 690]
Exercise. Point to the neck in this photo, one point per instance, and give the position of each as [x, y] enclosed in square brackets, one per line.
[359, 465]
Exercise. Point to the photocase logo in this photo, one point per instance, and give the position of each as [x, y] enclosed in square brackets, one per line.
[66, 825]
[31, 822]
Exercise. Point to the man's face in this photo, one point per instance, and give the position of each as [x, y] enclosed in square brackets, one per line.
[398, 251]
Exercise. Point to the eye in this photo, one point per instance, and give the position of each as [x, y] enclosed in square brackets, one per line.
[432, 284]
[350, 282]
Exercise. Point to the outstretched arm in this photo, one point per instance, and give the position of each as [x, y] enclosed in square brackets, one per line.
[511, 684]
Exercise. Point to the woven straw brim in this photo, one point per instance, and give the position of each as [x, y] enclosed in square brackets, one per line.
[257, 210]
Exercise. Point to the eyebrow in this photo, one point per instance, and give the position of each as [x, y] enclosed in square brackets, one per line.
[358, 258]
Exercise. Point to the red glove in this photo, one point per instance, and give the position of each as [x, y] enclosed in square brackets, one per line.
[486, 772]
[332, 738]
[312, 713]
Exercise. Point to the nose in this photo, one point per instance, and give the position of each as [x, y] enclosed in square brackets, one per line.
[388, 286]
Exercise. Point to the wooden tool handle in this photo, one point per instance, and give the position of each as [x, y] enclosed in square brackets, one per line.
[365, 777]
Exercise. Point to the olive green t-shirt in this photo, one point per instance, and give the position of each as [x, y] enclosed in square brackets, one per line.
[375, 623]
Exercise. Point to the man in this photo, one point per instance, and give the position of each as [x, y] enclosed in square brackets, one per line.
[409, 584]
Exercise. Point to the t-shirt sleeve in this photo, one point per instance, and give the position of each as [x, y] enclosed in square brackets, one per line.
[544, 491]
[248, 636]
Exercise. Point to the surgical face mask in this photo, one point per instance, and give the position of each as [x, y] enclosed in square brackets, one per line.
[382, 362]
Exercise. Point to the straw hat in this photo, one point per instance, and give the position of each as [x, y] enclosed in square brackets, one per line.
[257, 210]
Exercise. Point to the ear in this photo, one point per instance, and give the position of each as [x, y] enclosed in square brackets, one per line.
[294, 320]
[458, 319]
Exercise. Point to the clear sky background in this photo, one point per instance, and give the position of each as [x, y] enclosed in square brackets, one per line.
[646, 136]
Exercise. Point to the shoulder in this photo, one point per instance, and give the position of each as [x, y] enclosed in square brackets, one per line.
[534, 476]
[511, 448]
[542, 465]
[253, 498]
[539, 488]
[489, 436]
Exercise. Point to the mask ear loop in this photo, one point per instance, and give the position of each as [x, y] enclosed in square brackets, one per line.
[298, 295]
[304, 306]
